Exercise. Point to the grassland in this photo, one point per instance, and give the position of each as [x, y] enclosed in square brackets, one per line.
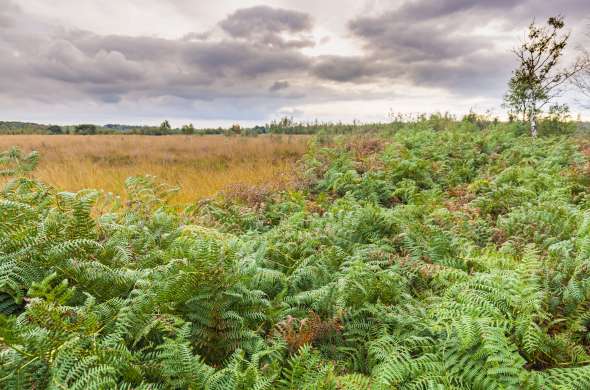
[201, 165]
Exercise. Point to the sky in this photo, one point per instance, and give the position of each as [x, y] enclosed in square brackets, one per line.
[215, 63]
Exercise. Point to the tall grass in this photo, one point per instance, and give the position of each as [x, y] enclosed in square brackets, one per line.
[200, 165]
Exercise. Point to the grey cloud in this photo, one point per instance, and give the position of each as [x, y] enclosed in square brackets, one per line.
[240, 59]
[278, 85]
[214, 58]
[428, 10]
[425, 26]
[264, 25]
[7, 14]
[250, 21]
[5, 21]
[343, 69]
[64, 61]
[480, 74]
[415, 37]
[239, 65]
[415, 42]
[468, 15]
[193, 36]
[135, 48]
[438, 44]
[428, 44]
[85, 65]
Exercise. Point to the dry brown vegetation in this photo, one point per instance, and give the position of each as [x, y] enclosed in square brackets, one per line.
[201, 165]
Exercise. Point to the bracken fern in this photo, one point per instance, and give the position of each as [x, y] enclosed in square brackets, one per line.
[422, 258]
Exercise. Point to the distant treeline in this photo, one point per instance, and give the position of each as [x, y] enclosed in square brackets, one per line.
[284, 126]
[438, 121]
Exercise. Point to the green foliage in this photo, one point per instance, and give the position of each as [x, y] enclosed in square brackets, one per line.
[188, 129]
[442, 255]
[54, 129]
[537, 80]
[22, 128]
[13, 163]
[85, 129]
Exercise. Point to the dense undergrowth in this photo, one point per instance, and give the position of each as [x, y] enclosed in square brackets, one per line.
[456, 259]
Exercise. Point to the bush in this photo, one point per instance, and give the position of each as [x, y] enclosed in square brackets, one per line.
[85, 129]
[55, 130]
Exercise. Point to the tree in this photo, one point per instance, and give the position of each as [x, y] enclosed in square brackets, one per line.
[85, 129]
[165, 127]
[188, 129]
[54, 129]
[582, 79]
[583, 83]
[236, 129]
[537, 81]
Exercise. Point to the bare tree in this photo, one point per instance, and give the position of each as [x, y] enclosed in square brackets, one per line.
[582, 79]
[538, 81]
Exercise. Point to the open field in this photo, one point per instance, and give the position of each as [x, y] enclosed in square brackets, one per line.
[201, 165]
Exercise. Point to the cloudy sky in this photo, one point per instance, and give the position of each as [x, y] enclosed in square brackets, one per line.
[218, 62]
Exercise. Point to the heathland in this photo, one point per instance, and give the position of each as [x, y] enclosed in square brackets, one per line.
[200, 165]
[434, 254]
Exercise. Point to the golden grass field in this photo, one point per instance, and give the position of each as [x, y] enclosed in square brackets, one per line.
[201, 165]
